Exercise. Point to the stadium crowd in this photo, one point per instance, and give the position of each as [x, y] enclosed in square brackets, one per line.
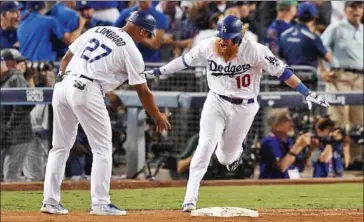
[326, 35]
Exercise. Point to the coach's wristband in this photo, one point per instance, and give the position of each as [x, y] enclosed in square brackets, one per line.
[301, 88]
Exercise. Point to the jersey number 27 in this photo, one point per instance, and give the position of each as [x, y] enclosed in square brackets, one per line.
[242, 81]
[92, 46]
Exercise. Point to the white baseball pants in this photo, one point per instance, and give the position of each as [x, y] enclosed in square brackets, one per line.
[72, 106]
[223, 124]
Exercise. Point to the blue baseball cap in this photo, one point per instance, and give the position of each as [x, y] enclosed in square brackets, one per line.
[81, 5]
[306, 10]
[9, 6]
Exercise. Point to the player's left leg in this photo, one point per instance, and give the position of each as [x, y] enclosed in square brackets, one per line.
[229, 149]
[94, 119]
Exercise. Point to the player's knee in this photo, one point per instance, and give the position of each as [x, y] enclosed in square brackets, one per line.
[222, 159]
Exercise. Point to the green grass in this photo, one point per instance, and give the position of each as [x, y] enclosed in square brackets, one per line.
[334, 196]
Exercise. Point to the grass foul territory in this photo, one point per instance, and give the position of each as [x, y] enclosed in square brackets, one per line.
[333, 196]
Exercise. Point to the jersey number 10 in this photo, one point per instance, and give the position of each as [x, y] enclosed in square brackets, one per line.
[91, 48]
[242, 81]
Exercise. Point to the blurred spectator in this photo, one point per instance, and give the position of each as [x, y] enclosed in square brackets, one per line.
[36, 160]
[266, 13]
[10, 18]
[337, 12]
[107, 10]
[246, 16]
[37, 34]
[323, 154]
[217, 7]
[175, 15]
[286, 11]
[323, 18]
[194, 12]
[235, 11]
[278, 151]
[150, 47]
[202, 34]
[17, 131]
[87, 12]
[70, 21]
[345, 40]
[299, 45]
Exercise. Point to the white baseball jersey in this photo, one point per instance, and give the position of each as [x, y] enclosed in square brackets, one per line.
[109, 55]
[239, 77]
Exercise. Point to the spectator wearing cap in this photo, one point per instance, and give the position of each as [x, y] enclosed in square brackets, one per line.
[150, 47]
[286, 11]
[345, 73]
[70, 21]
[17, 133]
[299, 45]
[10, 18]
[37, 34]
[86, 11]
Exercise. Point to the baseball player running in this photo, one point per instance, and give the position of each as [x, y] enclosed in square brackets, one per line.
[97, 62]
[234, 66]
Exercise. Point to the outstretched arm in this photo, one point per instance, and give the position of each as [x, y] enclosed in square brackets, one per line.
[295, 83]
[175, 65]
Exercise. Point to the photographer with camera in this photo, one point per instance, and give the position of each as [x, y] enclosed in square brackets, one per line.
[330, 148]
[278, 151]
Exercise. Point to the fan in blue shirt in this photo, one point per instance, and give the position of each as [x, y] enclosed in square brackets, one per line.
[150, 48]
[299, 45]
[37, 34]
[278, 152]
[286, 11]
[69, 20]
[10, 18]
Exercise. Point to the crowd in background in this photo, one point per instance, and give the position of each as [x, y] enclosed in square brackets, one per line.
[327, 35]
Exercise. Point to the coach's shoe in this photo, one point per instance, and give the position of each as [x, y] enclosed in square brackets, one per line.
[53, 209]
[232, 166]
[188, 207]
[108, 209]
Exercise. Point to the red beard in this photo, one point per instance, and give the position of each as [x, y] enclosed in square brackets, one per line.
[228, 53]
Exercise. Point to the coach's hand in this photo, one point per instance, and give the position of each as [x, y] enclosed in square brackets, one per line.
[314, 98]
[162, 122]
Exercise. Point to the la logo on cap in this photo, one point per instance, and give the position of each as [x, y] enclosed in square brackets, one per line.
[223, 28]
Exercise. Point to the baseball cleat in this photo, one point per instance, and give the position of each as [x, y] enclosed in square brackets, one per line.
[232, 166]
[108, 209]
[53, 209]
[188, 207]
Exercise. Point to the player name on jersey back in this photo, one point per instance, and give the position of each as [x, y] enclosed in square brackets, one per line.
[111, 35]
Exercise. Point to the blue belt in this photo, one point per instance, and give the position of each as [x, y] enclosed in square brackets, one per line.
[237, 101]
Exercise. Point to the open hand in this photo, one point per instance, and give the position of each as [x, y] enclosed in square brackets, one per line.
[312, 97]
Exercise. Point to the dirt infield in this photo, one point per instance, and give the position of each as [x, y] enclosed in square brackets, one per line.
[161, 216]
[174, 216]
[135, 184]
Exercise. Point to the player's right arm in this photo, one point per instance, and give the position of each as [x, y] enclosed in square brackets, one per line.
[134, 66]
[196, 56]
[147, 99]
